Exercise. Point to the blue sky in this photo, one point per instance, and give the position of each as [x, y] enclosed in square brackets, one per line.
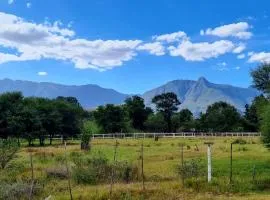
[135, 45]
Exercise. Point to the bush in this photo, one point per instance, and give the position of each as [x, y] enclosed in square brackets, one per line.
[84, 175]
[191, 169]
[8, 149]
[91, 170]
[57, 172]
[98, 170]
[16, 191]
[239, 141]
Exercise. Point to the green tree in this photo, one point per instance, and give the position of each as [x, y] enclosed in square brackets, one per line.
[30, 122]
[261, 78]
[166, 104]
[155, 123]
[183, 120]
[89, 128]
[221, 117]
[10, 106]
[265, 125]
[252, 118]
[111, 118]
[137, 111]
[71, 118]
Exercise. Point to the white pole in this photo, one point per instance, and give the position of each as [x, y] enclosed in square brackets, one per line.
[209, 163]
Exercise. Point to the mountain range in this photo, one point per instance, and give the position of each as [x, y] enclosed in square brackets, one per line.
[198, 95]
[194, 95]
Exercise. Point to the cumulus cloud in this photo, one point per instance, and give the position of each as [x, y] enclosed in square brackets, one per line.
[52, 41]
[240, 48]
[201, 51]
[171, 37]
[239, 30]
[42, 73]
[10, 2]
[241, 56]
[259, 57]
[155, 48]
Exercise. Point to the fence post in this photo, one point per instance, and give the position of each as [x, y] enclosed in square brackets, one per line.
[182, 163]
[114, 164]
[32, 176]
[142, 163]
[68, 173]
[209, 169]
[231, 165]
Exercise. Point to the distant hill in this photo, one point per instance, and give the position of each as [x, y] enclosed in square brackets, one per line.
[197, 95]
[194, 95]
[90, 96]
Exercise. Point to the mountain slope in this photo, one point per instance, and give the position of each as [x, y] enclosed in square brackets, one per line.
[89, 96]
[197, 95]
[194, 95]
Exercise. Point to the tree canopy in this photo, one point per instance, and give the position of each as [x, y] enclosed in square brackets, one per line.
[166, 104]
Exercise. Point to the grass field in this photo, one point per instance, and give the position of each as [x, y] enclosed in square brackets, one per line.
[251, 170]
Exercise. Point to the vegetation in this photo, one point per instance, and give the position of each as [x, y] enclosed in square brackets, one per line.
[28, 126]
[91, 170]
[166, 104]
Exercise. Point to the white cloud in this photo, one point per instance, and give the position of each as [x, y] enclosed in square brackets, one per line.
[171, 37]
[240, 48]
[10, 2]
[201, 51]
[238, 30]
[42, 73]
[28, 5]
[223, 64]
[52, 41]
[241, 56]
[237, 68]
[155, 48]
[259, 57]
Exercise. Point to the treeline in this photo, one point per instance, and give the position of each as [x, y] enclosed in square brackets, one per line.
[37, 118]
[40, 118]
[134, 116]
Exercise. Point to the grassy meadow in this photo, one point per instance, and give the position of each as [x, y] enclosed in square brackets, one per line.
[251, 170]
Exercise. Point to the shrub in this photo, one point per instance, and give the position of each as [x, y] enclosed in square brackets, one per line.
[57, 172]
[16, 191]
[191, 169]
[98, 170]
[84, 175]
[239, 141]
[8, 149]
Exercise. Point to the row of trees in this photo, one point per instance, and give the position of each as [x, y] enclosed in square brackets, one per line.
[134, 116]
[36, 118]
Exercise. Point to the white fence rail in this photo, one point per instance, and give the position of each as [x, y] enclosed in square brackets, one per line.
[175, 135]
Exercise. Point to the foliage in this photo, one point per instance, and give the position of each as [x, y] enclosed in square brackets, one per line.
[261, 78]
[97, 169]
[265, 126]
[111, 118]
[183, 120]
[252, 118]
[8, 149]
[166, 104]
[221, 117]
[57, 172]
[155, 123]
[137, 111]
[89, 128]
[10, 106]
[191, 169]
